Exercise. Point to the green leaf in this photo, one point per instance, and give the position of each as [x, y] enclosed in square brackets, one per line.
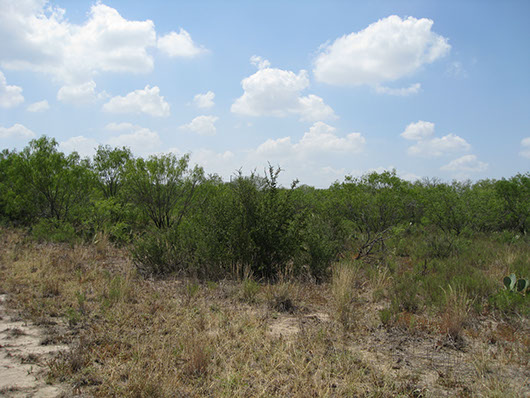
[509, 282]
[522, 285]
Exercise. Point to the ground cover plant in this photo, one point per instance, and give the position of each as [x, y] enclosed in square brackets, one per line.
[167, 282]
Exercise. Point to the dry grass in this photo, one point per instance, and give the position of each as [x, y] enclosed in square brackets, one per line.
[456, 312]
[345, 292]
[132, 337]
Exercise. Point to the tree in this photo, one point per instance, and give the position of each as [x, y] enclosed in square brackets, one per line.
[109, 166]
[446, 207]
[163, 187]
[515, 194]
[373, 204]
[47, 182]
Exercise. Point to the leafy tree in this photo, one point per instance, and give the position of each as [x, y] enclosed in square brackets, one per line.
[446, 207]
[484, 206]
[48, 183]
[163, 187]
[373, 204]
[515, 195]
[109, 166]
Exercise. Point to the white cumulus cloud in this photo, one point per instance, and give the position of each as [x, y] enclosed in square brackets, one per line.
[16, 131]
[277, 92]
[141, 140]
[204, 101]
[202, 125]
[179, 45]
[147, 101]
[525, 145]
[312, 158]
[465, 165]
[37, 36]
[399, 92]
[78, 94]
[418, 131]
[221, 163]
[85, 147]
[386, 50]
[428, 146]
[436, 147]
[39, 106]
[320, 138]
[10, 96]
[123, 126]
[259, 62]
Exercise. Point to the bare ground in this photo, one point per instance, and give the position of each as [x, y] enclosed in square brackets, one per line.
[23, 358]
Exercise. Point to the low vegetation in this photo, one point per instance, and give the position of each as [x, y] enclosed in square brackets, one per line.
[167, 282]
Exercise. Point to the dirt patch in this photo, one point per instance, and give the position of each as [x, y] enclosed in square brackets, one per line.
[440, 366]
[290, 325]
[23, 358]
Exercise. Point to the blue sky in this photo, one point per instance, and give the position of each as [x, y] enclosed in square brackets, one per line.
[322, 88]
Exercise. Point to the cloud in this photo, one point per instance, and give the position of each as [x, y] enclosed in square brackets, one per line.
[140, 140]
[39, 106]
[179, 45]
[525, 144]
[456, 69]
[400, 92]
[320, 139]
[147, 101]
[85, 147]
[385, 51]
[436, 147]
[418, 131]
[16, 131]
[124, 126]
[204, 101]
[36, 36]
[79, 94]
[425, 146]
[202, 125]
[277, 92]
[221, 163]
[465, 165]
[313, 108]
[259, 62]
[10, 96]
[316, 158]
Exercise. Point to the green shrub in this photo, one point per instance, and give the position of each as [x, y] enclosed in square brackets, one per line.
[53, 230]
[155, 253]
[249, 290]
[511, 303]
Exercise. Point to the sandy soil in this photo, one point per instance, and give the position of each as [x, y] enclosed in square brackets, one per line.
[23, 358]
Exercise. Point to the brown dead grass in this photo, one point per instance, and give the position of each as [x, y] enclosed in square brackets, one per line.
[132, 337]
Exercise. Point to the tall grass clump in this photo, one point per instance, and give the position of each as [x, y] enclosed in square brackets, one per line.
[345, 291]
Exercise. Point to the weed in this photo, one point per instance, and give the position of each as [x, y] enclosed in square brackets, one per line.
[280, 296]
[249, 290]
[190, 292]
[385, 315]
[345, 276]
[198, 361]
[456, 312]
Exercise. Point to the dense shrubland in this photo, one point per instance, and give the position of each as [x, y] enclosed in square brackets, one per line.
[241, 257]
[178, 220]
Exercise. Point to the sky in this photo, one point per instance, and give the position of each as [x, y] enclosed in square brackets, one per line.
[322, 89]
